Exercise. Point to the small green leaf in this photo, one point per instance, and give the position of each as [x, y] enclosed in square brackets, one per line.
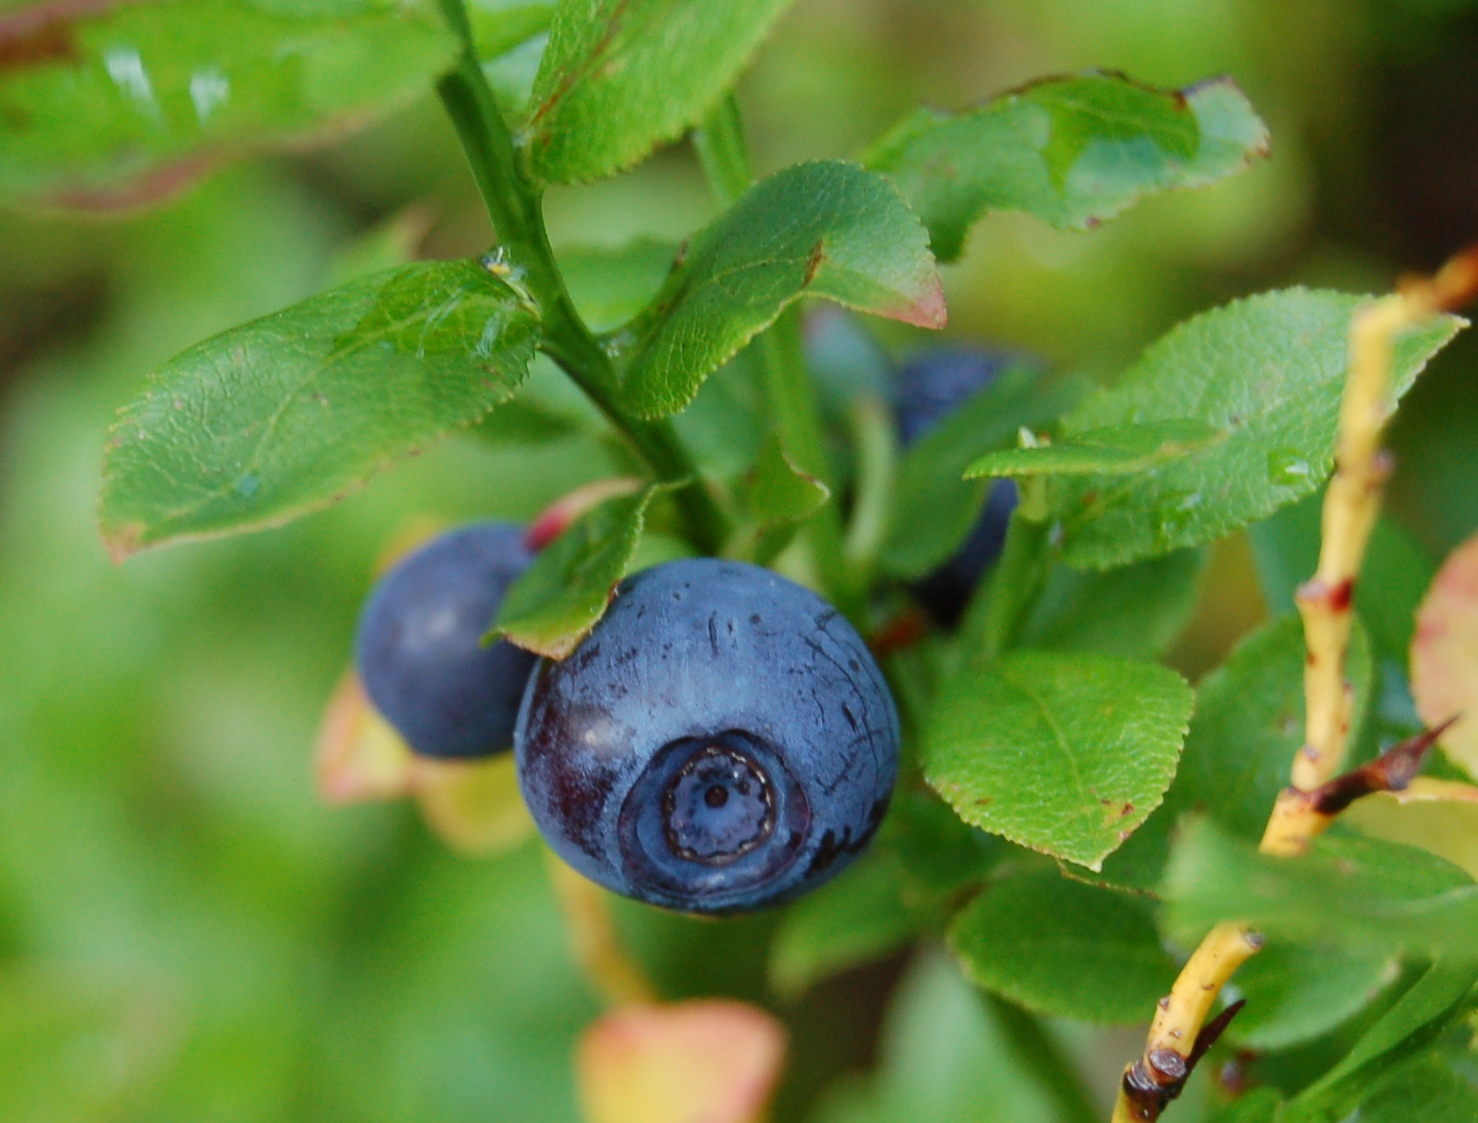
[1270, 372]
[1061, 947]
[286, 414]
[1440, 996]
[1135, 611]
[107, 105]
[847, 922]
[1066, 754]
[1429, 1091]
[1297, 993]
[1118, 450]
[822, 229]
[777, 496]
[777, 491]
[1355, 892]
[620, 77]
[933, 507]
[553, 606]
[1071, 151]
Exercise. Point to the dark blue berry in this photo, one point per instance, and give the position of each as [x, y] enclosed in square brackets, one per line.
[722, 741]
[930, 388]
[419, 648]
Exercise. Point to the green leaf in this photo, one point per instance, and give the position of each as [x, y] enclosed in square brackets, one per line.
[1440, 996]
[1061, 947]
[1269, 371]
[822, 229]
[1248, 726]
[553, 606]
[288, 413]
[1118, 450]
[620, 77]
[1429, 1091]
[847, 922]
[1297, 993]
[777, 496]
[1071, 151]
[1350, 891]
[933, 506]
[107, 105]
[1135, 611]
[938, 852]
[1064, 753]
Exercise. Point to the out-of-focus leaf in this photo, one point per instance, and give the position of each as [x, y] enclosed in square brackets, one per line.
[1135, 611]
[778, 497]
[1070, 151]
[473, 805]
[852, 920]
[1418, 1017]
[500, 25]
[1064, 753]
[387, 245]
[938, 852]
[1061, 947]
[1356, 892]
[933, 506]
[1117, 450]
[359, 756]
[559, 598]
[1428, 1090]
[620, 77]
[1444, 655]
[610, 286]
[1440, 816]
[1269, 371]
[712, 1060]
[106, 105]
[288, 413]
[548, 407]
[1296, 993]
[946, 1056]
[1259, 1105]
[825, 229]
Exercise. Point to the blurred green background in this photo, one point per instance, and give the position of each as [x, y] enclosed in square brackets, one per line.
[187, 934]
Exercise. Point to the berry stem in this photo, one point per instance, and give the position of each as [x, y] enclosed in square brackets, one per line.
[719, 142]
[515, 204]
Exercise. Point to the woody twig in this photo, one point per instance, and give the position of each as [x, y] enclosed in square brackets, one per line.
[1179, 1034]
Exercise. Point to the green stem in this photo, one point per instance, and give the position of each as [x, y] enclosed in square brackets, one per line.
[996, 613]
[782, 360]
[513, 202]
[877, 458]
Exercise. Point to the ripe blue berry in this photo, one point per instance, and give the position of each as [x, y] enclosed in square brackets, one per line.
[930, 388]
[722, 741]
[419, 648]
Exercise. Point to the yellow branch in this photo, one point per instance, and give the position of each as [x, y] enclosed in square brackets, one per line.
[1305, 810]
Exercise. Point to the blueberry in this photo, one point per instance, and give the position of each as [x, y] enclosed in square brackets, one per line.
[419, 648]
[722, 741]
[930, 388]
